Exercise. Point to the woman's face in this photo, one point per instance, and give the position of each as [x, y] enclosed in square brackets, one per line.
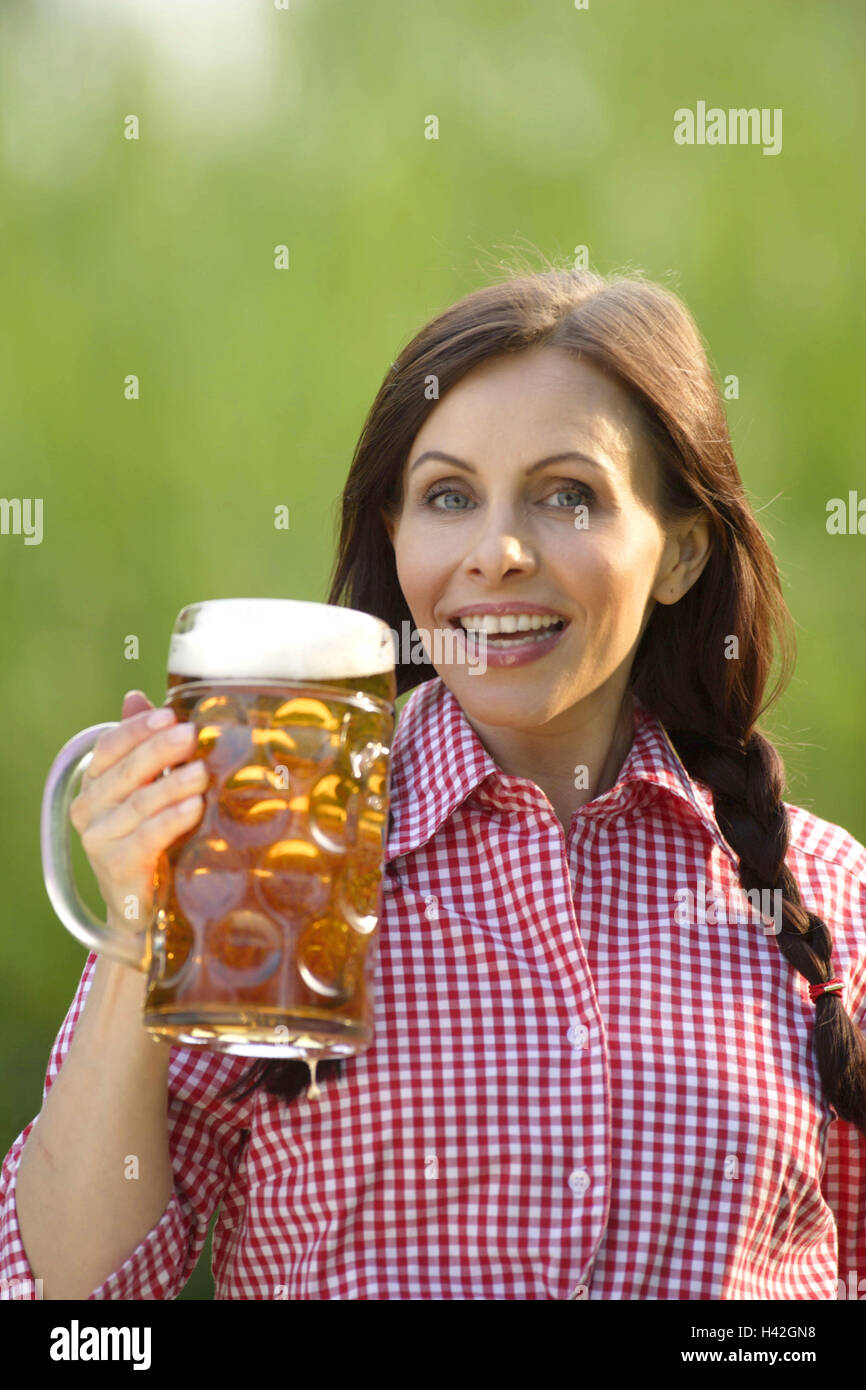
[502, 528]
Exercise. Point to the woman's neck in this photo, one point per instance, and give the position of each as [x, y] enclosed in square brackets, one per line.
[571, 766]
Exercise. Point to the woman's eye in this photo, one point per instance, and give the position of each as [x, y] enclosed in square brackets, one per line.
[432, 493]
[578, 490]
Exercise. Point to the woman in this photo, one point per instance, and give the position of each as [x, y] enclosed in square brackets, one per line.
[600, 1070]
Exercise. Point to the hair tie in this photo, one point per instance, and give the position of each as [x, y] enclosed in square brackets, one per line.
[834, 986]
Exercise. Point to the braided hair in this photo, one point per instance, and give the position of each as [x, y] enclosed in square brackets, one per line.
[747, 783]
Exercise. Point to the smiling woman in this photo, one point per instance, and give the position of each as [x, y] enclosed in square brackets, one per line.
[574, 1089]
[575, 462]
[672, 566]
[669, 576]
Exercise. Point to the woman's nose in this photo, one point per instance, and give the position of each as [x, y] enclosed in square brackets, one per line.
[499, 551]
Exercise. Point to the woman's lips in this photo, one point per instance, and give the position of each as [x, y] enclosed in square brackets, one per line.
[471, 646]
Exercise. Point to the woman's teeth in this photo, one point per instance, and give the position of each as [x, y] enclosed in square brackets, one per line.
[511, 629]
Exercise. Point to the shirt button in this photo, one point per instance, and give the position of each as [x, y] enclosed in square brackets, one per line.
[578, 1035]
[578, 1181]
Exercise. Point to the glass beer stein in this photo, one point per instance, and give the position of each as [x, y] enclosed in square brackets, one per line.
[263, 933]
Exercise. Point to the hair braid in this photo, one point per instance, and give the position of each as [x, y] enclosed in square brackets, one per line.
[747, 782]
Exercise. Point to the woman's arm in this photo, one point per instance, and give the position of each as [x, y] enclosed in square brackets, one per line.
[202, 1134]
[80, 1213]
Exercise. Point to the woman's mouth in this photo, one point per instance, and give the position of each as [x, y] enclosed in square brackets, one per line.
[536, 633]
[511, 648]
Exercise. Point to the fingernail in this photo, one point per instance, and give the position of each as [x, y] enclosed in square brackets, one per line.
[190, 771]
[160, 718]
[181, 733]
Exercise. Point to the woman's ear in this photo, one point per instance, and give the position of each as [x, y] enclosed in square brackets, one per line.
[686, 553]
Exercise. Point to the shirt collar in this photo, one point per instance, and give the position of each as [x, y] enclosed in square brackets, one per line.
[438, 761]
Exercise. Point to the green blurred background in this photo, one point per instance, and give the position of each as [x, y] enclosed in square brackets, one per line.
[305, 127]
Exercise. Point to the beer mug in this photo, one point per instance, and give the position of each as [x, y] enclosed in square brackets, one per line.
[263, 934]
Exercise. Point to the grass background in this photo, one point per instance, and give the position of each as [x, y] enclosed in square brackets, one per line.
[305, 127]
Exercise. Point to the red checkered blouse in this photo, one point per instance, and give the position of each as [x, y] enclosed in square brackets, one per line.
[583, 1084]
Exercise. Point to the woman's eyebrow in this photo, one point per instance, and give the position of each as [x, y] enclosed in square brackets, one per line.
[533, 468]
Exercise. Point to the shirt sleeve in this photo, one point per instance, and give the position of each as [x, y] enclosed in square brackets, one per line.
[843, 1183]
[844, 1186]
[843, 1180]
[206, 1139]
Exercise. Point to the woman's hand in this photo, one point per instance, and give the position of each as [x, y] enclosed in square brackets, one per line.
[127, 813]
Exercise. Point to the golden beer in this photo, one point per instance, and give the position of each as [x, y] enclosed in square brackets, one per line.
[263, 935]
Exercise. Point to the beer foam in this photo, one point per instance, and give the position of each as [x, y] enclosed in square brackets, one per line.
[285, 639]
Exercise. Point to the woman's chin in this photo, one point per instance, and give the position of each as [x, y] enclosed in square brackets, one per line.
[485, 699]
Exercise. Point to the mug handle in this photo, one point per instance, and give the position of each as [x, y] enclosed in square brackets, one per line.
[66, 900]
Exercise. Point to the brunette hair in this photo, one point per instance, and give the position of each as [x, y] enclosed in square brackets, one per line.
[643, 335]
